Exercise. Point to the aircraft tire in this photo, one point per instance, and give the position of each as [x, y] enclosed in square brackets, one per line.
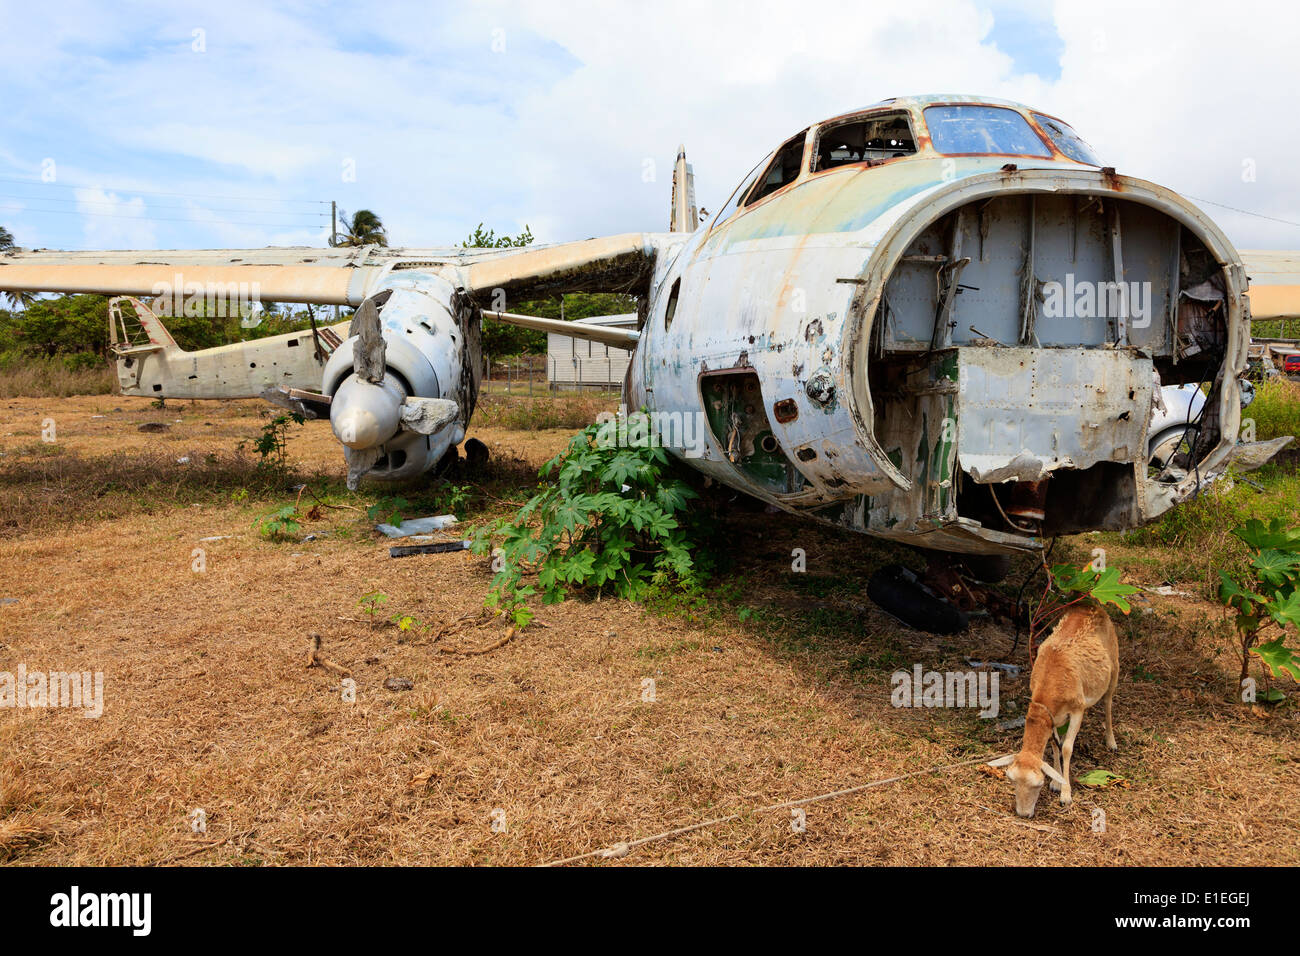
[476, 453]
[899, 593]
[987, 568]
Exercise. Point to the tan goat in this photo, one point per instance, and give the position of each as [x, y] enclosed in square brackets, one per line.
[1077, 666]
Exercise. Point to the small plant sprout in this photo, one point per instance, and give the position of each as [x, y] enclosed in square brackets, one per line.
[406, 623]
[371, 604]
[272, 445]
[281, 524]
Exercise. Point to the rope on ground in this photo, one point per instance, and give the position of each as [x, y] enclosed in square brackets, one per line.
[619, 850]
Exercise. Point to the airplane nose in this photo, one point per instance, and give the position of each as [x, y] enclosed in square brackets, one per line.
[364, 415]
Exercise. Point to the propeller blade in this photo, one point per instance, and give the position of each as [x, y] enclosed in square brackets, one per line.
[309, 405]
[359, 461]
[428, 415]
[368, 348]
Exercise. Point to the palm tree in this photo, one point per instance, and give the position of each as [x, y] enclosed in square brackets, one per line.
[15, 299]
[364, 228]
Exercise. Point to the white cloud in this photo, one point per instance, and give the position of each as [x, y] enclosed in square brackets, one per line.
[555, 129]
[113, 222]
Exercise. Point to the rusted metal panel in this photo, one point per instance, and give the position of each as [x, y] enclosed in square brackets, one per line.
[1027, 412]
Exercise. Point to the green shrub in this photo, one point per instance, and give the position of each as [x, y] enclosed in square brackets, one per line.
[1266, 596]
[610, 518]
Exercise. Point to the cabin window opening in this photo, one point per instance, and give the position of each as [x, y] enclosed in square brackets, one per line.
[783, 170]
[741, 192]
[873, 139]
[671, 309]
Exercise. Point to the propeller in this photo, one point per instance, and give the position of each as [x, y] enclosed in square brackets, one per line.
[370, 407]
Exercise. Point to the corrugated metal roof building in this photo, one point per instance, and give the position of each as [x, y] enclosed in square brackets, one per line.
[575, 363]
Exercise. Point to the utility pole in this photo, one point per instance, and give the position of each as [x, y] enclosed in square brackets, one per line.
[334, 238]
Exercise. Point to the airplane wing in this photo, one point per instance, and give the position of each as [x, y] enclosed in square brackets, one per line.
[315, 276]
[340, 276]
[1274, 283]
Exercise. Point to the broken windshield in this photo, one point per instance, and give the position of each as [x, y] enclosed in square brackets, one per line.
[1067, 140]
[960, 130]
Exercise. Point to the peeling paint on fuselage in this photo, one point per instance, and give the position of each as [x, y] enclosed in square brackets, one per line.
[789, 288]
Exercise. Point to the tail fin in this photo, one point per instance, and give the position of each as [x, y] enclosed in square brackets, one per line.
[685, 216]
[122, 334]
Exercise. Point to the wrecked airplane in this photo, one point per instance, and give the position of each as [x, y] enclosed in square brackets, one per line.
[940, 320]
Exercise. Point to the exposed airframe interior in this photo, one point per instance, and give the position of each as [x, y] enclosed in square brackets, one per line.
[1003, 332]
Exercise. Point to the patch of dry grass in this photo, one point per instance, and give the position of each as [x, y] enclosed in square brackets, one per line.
[42, 378]
[209, 702]
[570, 411]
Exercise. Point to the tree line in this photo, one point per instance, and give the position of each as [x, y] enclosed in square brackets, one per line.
[73, 329]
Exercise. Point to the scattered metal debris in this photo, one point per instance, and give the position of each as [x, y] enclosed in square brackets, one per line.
[1011, 670]
[438, 547]
[1166, 590]
[417, 526]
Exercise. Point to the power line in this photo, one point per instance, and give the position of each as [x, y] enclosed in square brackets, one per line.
[1244, 212]
[147, 192]
[192, 222]
[116, 205]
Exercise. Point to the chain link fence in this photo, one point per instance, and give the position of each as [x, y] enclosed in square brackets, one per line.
[543, 374]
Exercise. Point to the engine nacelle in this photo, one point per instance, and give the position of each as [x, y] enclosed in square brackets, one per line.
[426, 329]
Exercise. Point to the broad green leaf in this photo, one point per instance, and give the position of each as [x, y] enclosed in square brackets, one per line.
[1280, 659]
[1109, 590]
[1276, 568]
[1099, 778]
[1275, 535]
[1285, 609]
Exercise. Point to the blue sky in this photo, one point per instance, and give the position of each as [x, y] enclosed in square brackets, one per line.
[172, 125]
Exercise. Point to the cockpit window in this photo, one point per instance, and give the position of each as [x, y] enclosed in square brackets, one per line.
[785, 169]
[727, 211]
[871, 139]
[741, 191]
[959, 130]
[1067, 140]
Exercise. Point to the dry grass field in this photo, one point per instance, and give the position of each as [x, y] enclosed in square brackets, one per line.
[773, 688]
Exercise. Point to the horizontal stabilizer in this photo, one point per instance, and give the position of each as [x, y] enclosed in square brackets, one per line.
[605, 334]
[1274, 283]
